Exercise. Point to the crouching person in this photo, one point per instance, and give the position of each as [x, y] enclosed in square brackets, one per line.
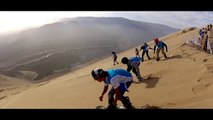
[133, 64]
[120, 80]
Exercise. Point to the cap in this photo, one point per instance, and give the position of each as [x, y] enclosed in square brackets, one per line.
[96, 72]
[156, 40]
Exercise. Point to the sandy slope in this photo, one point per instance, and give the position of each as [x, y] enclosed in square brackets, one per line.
[10, 86]
[183, 81]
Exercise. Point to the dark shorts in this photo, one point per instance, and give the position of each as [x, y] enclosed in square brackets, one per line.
[115, 58]
[124, 86]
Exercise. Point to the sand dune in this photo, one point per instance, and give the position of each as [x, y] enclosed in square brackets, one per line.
[183, 81]
[29, 75]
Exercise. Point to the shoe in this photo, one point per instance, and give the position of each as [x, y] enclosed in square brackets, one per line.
[145, 106]
[165, 57]
[111, 107]
[133, 107]
[140, 79]
[126, 102]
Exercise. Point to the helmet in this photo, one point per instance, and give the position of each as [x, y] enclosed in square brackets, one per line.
[156, 40]
[124, 60]
[96, 72]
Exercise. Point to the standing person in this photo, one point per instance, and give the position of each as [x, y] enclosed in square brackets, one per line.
[160, 47]
[114, 58]
[133, 64]
[145, 47]
[201, 33]
[210, 26]
[204, 41]
[137, 52]
[120, 80]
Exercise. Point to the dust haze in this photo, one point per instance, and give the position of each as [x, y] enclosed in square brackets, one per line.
[61, 46]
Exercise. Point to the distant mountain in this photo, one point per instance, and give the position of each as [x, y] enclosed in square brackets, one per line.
[77, 40]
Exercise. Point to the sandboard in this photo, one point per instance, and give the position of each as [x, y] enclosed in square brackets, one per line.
[146, 77]
[147, 106]
[167, 57]
[163, 59]
[102, 107]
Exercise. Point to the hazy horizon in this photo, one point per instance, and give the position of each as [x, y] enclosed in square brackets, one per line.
[15, 21]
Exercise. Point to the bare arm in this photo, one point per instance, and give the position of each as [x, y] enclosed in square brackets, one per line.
[129, 68]
[104, 91]
[150, 47]
[165, 46]
[154, 48]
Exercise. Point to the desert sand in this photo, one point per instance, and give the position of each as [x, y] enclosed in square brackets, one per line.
[183, 81]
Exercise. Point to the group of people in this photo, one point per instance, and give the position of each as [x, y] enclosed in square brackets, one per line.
[121, 79]
[204, 40]
[145, 47]
[159, 46]
[204, 35]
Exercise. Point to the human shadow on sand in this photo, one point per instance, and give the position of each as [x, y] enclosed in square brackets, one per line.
[151, 82]
[174, 57]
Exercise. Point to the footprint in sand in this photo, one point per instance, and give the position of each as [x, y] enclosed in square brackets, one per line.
[15, 93]
[199, 80]
[200, 87]
[207, 85]
[42, 84]
[1, 90]
[189, 56]
[170, 104]
[3, 97]
[205, 60]
[184, 53]
[11, 88]
[210, 68]
[147, 106]
[193, 59]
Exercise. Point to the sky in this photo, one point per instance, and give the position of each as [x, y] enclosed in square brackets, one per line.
[14, 21]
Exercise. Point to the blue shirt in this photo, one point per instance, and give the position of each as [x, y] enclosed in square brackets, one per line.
[117, 77]
[160, 44]
[145, 47]
[134, 59]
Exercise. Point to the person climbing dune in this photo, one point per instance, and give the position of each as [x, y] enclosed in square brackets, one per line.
[145, 47]
[114, 58]
[120, 80]
[160, 47]
[133, 64]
